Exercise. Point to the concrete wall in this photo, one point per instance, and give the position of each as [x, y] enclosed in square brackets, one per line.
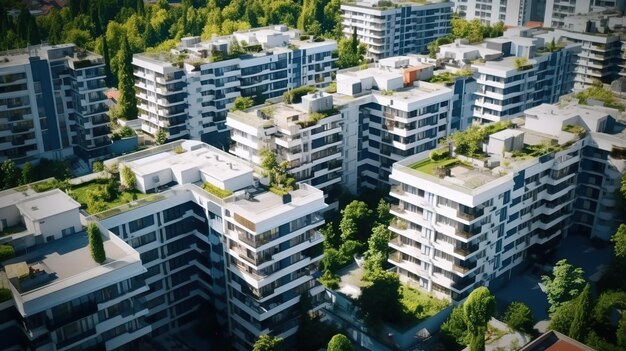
[124, 145]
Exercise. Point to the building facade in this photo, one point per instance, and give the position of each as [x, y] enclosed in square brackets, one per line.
[390, 28]
[189, 91]
[308, 135]
[52, 104]
[511, 13]
[61, 298]
[252, 254]
[463, 226]
[557, 10]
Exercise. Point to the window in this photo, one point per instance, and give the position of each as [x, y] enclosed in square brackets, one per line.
[141, 223]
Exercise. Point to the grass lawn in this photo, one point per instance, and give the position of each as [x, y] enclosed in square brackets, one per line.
[81, 192]
[417, 306]
[428, 166]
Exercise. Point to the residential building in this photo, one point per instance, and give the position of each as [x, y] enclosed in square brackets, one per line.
[599, 60]
[52, 104]
[62, 299]
[307, 135]
[558, 10]
[470, 221]
[251, 254]
[514, 72]
[189, 91]
[511, 13]
[390, 115]
[393, 28]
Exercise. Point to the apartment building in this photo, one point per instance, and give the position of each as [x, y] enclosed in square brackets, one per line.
[599, 60]
[469, 221]
[557, 10]
[61, 298]
[52, 104]
[391, 115]
[189, 91]
[514, 72]
[308, 135]
[393, 28]
[252, 254]
[511, 13]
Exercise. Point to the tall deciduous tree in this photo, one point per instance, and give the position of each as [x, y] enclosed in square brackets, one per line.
[340, 342]
[619, 241]
[28, 174]
[351, 51]
[380, 301]
[479, 308]
[10, 174]
[518, 316]
[356, 221]
[268, 343]
[128, 100]
[582, 310]
[566, 284]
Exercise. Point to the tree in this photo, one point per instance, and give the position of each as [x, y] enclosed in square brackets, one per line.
[519, 317]
[566, 284]
[128, 178]
[380, 301]
[456, 327]
[479, 307]
[582, 310]
[97, 166]
[561, 318]
[356, 221]
[340, 342]
[6, 252]
[10, 174]
[96, 246]
[28, 175]
[242, 103]
[128, 101]
[351, 52]
[619, 241]
[621, 332]
[378, 249]
[623, 186]
[382, 212]
[161, 137]
[268, 343]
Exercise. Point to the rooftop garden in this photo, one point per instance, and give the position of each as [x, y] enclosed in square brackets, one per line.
[315, 117]
[217, 191]
[281, 182]
[532, 151]
[103, 194]
[602, 94]
[448, 77]
[469, 142]
[429, 166]
[294, 96]
[575, 129]
[522, 64]
[417, 306]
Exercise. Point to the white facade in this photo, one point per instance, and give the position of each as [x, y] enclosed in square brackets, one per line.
[308, 135]
[189, 91]
[398, 116]
[397, 29]
[61, 297]
[252, 253]
[599, 59]
[461, 228]
[52, 104]
[557, 10]
[511, 13]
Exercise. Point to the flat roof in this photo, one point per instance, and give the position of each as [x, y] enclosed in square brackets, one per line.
[47, 204]
[221, 165]
[268, 205]
[53, 263]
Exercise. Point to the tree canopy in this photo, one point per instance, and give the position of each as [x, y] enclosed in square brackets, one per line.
[340, 342]
[268, 343]
[566, 283]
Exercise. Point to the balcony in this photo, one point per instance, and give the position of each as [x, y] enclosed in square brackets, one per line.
[462, 283]
[467, 232]
[464, 267]
[465, 250]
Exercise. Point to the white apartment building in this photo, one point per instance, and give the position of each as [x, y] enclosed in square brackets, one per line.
[389, 115]
[514, 72]
[308, 135]
[471, 220]
[252, 254]
[557, 10]
[393, 28]
[511, 12]
[62, 299]
[52, 104]
[189, 91]
[599, 60]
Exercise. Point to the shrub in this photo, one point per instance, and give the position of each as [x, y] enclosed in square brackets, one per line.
[5, 294]
[217, 191]
[96, 246]
[128, 177]
[6, 252]
[97, 166]
[438, 155]
[519, 317]
[126, 132]
[295, 95]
